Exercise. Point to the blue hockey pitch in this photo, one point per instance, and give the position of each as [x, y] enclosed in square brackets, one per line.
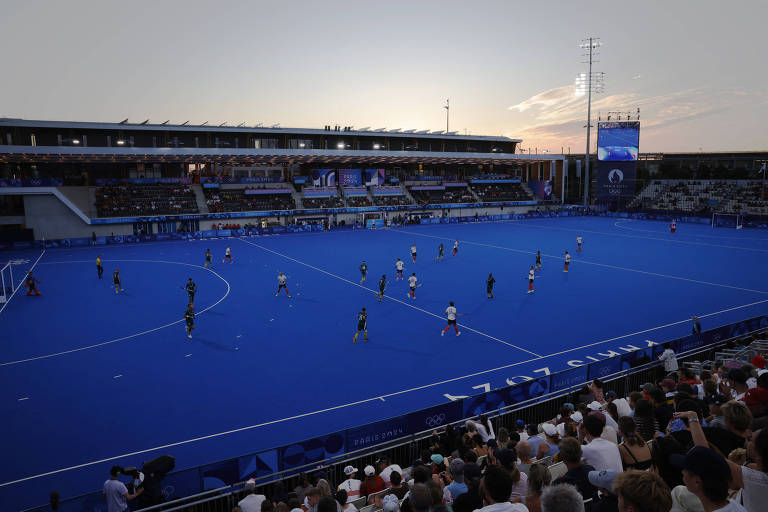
[91, 378]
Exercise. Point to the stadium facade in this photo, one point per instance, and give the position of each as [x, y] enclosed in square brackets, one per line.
[50, 170]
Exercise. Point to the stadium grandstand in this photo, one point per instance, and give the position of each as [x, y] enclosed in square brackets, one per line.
[257, 337]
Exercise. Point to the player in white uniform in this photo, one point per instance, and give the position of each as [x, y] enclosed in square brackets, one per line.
[579, 241]
[412, 285]
[399, 269]
[531, 277]
[282, 281]
[413, 252]
[567, 261]
[455, 248]
[450, 312]
[227, 255]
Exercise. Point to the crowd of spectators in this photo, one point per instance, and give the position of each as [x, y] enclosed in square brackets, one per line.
[237, 200]
[155, 199]
[323, 202]
[391, 200]
[693, 441]
[449, 195]
[489, 192]
[704, 196]
[356, 201]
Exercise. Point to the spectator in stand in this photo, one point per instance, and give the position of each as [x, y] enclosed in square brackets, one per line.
[253, 500]
[508, 461]
[385, 467]
[390, 503]
[398, 489]
[534, 439]
[662, 410]
[645, 420]
[623, 407]
[706, 474]
[549, 447]
[472, 499]
[715, 403]
[642, 491]
[324, 486]
[523, 450]
[344, 502]
[496, 487]
[539, 478]
[420, 498]
[483, 427]
[421, 475]
[737, 382]
[312, 498]
[578, 472]
[737, 420]
[757, 401]
[597, 390]
[327, 504]
[561, 498]
[116, 493]
[302, 487]
[599, 453]
[521, 430]
[372, 483]
[457, 486]
[351, 485]
[635, 453]
[669, 359]
[607, 500]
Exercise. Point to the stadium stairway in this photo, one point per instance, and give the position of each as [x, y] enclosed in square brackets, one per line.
[297, 197]
[202, 206]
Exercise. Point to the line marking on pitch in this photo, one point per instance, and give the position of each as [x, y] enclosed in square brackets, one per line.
[387, 296]
[586, 262]
[351, 404]
[123, 338]
[117, 376]
[22, 399]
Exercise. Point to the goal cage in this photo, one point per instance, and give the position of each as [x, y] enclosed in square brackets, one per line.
[7, 283]
[727, 220]
[373, 220]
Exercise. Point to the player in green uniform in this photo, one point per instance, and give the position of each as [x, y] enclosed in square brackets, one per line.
[538, 260]
[489, 285]
[191, 288]
[363, 270]
[362, 325]
[116, 280]
[440, 251]
[189, 317]
[208, 259]
[382, 286]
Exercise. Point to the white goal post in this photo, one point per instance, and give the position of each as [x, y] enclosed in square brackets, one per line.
[727, 220]
[7, 284]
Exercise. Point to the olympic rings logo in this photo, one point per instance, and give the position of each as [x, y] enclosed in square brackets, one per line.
[436, 420]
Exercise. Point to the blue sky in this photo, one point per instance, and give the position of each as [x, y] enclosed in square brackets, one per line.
[696, 69]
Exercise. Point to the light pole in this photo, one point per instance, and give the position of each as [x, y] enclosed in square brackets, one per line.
[587, 83]
[447, 108]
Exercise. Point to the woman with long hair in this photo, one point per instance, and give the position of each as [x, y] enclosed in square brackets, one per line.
[645, 420]
[635, 453]
[538, 478]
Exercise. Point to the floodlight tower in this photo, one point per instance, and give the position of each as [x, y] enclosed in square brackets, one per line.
[588, 83]
[447, 108]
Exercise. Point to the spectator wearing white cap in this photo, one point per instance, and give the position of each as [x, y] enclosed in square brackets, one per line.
[390, 503]
[549, 447]
[252, 502]
[351, 485]
[372, 483]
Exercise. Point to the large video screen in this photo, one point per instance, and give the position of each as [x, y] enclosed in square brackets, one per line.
[350, 177]
[618, 141]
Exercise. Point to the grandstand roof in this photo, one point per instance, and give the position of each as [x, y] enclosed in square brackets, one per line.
[253, 156]
[30, 123]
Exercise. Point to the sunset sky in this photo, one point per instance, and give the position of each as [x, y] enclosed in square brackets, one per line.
[696, 69]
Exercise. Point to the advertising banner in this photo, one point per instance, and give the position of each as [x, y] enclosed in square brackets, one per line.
[324, 177]
[374, 177]
[615, 180]
[350, 177]
[542, 189]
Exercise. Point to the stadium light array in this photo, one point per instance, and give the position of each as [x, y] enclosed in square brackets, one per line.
[120, 142]
[340, 145]
[75, 141]
[377, 146]
[588, 83]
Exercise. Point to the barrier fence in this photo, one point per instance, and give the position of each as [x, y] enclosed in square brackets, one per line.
[532, 400]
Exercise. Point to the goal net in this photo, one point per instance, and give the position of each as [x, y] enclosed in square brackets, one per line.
[727, 220]
[7, 283]
[372, 220]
